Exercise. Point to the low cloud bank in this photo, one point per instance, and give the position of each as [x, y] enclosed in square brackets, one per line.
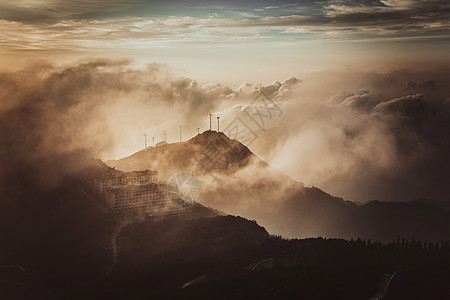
[357, 135]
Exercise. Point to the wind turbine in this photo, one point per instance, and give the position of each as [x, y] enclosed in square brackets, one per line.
[210, 115]
[145, 138]
[218, 118]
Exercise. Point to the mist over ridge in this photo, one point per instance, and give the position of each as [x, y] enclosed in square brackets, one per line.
[364, 136]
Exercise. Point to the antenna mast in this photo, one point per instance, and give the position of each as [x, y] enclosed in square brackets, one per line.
[198, 130]
[218, 118]
[153, 140]
[179, 125]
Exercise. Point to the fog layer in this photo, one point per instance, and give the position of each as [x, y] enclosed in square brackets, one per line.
[357, 135]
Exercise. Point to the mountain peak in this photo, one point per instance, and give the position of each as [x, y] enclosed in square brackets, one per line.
[210, 151]
[224, 143]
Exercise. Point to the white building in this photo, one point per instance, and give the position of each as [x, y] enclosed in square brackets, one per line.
[137, 191]
[125, 178]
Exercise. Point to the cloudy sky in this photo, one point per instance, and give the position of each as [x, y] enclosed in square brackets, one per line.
[230, 41]
[361, 88]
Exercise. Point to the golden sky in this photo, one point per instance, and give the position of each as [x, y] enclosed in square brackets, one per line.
[229, 41]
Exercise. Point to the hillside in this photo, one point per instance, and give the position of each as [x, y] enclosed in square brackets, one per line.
[158, 259]
[58, 234]
[61, 234]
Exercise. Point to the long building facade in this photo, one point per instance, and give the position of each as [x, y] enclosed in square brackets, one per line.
[137, 191]
[122, 179]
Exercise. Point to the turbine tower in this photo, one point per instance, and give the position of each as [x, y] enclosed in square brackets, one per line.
[210, 115]
[198, 130]
[179, 125]
[145, 138]
[218, 118]
[153, 141]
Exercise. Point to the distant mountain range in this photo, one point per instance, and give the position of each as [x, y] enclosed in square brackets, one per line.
[238, 182]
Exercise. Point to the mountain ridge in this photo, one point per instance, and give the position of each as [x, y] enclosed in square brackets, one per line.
[244, 185]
